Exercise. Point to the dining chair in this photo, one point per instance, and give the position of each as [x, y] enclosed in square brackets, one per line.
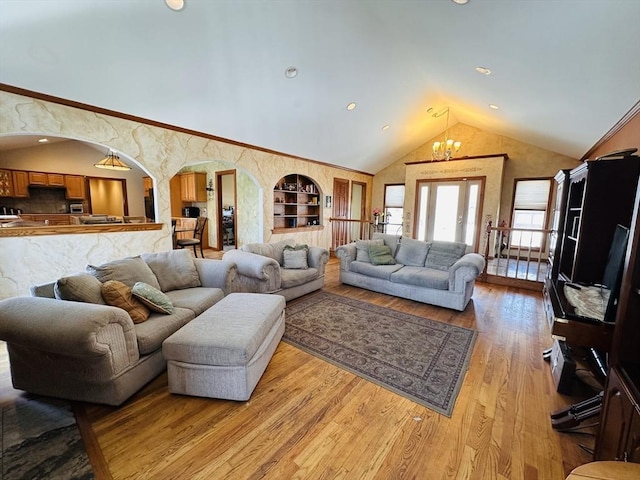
[198, 231]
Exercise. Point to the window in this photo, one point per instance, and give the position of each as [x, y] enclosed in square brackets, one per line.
[530, 212]
[393, 208]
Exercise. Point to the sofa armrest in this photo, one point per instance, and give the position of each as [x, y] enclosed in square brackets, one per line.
[256, 273]
[318, 258]
[72, 329]
[216, 273]
[465, 270]
[346, 254]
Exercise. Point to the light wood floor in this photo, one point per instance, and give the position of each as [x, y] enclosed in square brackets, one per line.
[308, 419]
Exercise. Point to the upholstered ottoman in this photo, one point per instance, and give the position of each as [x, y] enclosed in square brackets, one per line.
[225, 350]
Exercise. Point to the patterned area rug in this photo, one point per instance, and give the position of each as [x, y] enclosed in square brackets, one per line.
[40, 440]
[418, 358]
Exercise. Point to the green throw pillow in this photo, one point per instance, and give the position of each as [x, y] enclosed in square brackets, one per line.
[381, 255]
[153, 298]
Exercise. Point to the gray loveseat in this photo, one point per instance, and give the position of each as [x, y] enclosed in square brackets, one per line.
[65, 341]
[438, 273]
[281, 267]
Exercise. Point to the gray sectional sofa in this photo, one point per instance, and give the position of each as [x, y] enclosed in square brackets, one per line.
[437, 273]
[281, 267]
[66, 341]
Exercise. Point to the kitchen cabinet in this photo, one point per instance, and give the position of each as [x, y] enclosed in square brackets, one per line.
[20, 184]
[193, 187]
[6, 183]
[47, 219]
[46, 179]
[76, 189]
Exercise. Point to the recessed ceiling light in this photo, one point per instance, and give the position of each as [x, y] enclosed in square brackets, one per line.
[386, 127]
[291, 72]
[460, 2]
[494, 107]
[351, 106]
[43, 140]
[483, 70]
[175, 4]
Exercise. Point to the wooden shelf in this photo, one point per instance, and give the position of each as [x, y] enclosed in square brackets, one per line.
[296, 204]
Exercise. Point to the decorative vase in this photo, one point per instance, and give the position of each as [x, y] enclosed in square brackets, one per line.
[376, 219]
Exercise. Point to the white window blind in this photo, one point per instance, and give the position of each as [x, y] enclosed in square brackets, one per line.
[394, 196]
[532, 194]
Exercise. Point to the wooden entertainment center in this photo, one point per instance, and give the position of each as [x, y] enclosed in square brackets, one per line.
[592, 200]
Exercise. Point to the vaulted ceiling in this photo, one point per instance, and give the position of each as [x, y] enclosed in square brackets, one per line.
[563, 72]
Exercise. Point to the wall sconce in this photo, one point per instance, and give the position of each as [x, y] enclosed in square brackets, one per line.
[327, 201]
[209, 189]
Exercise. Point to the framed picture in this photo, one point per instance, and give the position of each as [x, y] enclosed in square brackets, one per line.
[327, 201]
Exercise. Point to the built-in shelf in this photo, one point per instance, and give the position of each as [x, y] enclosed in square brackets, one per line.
[296, 204]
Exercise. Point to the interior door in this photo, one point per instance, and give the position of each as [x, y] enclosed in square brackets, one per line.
[227, 209]
[449, 210]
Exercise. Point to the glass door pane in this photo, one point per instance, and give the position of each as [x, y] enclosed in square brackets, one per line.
[423, 212]
[472, 213]
[445, 225]
[449, 211]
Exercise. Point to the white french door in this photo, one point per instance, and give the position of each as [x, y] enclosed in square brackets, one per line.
[449, 210]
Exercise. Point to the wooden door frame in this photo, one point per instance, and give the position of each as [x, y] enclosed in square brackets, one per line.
[219, 223]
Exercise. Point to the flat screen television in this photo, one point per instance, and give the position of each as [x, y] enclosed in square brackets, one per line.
[612, 278]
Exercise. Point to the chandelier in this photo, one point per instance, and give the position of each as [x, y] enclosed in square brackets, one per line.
[112, 162]
[443, 150]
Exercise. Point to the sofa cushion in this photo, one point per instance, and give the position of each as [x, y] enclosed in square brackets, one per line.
[158, 327]
[293, 278]
[391, 241]
[412, 252]
[152, 298]
[377, 271]
[196, 299]
[362, 249]
[295, 258]
[271, 250]
[83, 287]
[422, 277]
[127, 270]
[381, 255]
[118, 294]
[175, 269]
[444, 254]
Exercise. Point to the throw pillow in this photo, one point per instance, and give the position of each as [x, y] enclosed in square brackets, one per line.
[79, 288]
[412, 252]
[152, 298]
[444, 254]
[118, 294]
[362, 249]
[381, 255]
[295, 259]
[391, 241]
[127, 270]
[175, 270]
